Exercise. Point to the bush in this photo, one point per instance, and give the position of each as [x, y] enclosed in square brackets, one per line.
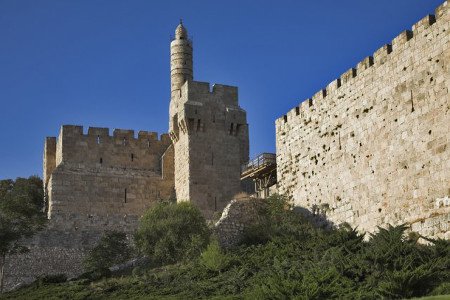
[169, 233]
[214, 259]
[112, 249]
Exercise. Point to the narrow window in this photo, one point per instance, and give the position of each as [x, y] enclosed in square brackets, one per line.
[125, 196]
[98, 139]
[212, 158]
[101, 160]
[198, 125]
[132, 157]
[124, 141]
[148, 143]
[231, 128]
[215, 203]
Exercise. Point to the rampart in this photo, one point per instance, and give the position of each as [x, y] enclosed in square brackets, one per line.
[94, 178]
[373, 146]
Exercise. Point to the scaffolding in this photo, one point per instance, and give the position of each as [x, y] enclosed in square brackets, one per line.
[263, 171]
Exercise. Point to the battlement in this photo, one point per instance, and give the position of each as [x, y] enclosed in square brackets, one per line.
[420, 30]
[128, 134]
[207, 92]
[99, 149]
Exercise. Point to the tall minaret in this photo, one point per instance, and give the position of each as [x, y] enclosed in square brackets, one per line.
[180, 59]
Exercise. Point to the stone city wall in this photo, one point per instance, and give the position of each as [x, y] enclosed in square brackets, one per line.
[372, 148]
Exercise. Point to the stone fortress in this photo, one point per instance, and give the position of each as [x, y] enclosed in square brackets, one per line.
[371, 148]
[98, 179]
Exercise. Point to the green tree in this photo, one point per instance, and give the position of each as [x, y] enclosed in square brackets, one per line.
[21, 215]
[170, 233]
[111, 250]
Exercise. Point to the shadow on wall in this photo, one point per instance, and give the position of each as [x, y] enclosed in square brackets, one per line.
[316, 215]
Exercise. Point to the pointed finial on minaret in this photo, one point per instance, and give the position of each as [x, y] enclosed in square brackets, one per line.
[180, 31]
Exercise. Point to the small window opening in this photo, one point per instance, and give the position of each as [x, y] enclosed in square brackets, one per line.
[212, 158]
[98, 139]
[124, 141]
[231, 128]
[198, 125]
[215, 203]
[101, 160]
[148, 143]
[125, 196]
[132, 157]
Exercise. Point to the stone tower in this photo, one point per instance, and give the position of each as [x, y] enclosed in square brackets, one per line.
[209, 132]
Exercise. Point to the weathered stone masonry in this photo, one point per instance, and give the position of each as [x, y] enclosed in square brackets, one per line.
[97, 178]
[95, 182]
[373, 147]
[209, 132]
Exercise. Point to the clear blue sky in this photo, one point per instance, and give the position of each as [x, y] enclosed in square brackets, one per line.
[106, 62]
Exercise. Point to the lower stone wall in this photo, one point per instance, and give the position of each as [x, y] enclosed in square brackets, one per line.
[39, 261]
[61, 247]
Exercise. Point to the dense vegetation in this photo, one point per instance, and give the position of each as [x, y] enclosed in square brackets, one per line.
[282, 257]
[21, 215]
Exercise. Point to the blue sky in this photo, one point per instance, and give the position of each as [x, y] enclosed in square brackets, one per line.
[106, 62]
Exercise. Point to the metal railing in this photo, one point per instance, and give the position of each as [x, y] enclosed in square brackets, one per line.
[263, 159]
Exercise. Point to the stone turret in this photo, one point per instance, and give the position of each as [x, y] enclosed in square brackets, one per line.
[180, 59]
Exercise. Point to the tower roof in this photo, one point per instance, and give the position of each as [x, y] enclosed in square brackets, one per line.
[181, 32]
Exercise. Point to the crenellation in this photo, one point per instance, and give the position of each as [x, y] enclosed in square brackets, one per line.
[71, 130]
[334, 85]
[147, 136]
[98, 131]
[423, 24]
[364, 64]
[401, 39]
[441, 12]
[121, 134]
[380, 56]
[348, 75]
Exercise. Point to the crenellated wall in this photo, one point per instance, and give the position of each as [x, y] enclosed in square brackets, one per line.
[95, 178]
[373, 146]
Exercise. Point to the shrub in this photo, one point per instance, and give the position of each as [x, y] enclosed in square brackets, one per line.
[170, 233]
[213, 258]
[112, 249]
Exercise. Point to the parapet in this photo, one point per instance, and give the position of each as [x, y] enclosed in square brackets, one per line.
[203, 91]
[98, 148]
[380, 56]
